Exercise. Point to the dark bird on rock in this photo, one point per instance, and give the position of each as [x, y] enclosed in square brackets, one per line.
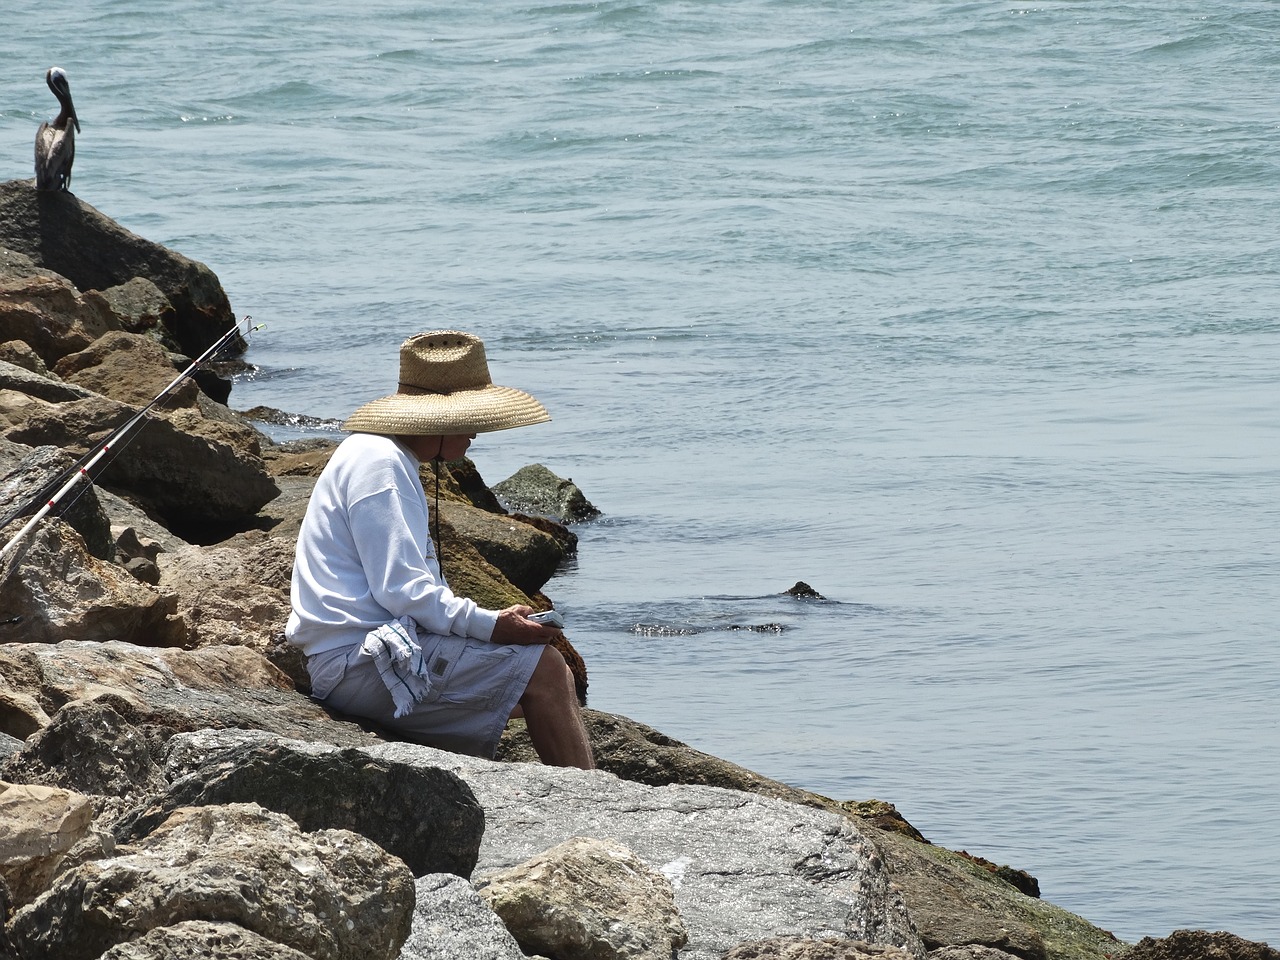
[56, 141]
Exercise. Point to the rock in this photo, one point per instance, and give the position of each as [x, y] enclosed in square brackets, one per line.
[6, 945]
[588, 899]
[952, 898]
[36, 479]
[130, 523]
[38, 826]
[90, 748]
[330, 894]
[535, 489]
[162, 690]
[44, 386]
[567, 539]
[127, 367]
[807, 948]
[45, 310]
[230, 594]
[953, 901]
[200, 940]
[16, 353]
[9, 746]
[282, 517]
[1200, 945]
[969, 952]
[52, 590]
[138, 305]
[471, 486]
[453, 922]
[425, 816]
[743, 867]
[297, 458]
[142, 570]
[470, 574]
[803, 591]
[63, 233]
[290, 661]
[525, 555]
[202, 476]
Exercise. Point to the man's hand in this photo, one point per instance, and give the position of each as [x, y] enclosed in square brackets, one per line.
[514, 626]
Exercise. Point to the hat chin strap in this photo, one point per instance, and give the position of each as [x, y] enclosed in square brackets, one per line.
[437, 464]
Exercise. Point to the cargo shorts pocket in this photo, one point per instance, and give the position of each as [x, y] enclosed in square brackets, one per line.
[471, 674]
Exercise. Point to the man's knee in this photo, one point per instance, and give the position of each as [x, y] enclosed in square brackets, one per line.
[551, 677]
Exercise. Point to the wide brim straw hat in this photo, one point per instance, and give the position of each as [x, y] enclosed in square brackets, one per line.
[445, 389]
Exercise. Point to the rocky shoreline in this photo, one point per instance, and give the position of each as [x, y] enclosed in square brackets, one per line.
[170, 790]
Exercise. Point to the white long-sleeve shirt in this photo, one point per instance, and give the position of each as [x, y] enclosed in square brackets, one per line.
[365, 556]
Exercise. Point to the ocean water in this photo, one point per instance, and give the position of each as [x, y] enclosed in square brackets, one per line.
[963, 313]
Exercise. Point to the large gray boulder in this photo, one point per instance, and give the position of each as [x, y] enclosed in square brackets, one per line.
[426, 816]
[952, 899]
[743, 867]
[330, 894]
[62, 233]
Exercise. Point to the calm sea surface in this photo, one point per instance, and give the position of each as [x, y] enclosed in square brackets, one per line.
[963, 313]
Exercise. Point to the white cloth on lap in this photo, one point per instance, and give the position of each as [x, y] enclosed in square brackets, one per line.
[396, 653]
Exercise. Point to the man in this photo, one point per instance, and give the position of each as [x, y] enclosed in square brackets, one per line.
[384, 635]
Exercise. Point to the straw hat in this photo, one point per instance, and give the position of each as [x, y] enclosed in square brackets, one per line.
[445, 389]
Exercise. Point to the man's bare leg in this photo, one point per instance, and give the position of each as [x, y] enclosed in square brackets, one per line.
[551, 711]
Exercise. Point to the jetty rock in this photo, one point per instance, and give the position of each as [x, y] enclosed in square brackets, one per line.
[61, 233]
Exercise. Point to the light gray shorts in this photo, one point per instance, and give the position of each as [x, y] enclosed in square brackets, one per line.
[471, 696]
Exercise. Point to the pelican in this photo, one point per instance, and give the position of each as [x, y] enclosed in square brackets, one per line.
[56, 141]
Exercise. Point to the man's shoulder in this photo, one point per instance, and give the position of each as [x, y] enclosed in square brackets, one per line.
[367, 462]
[362, 449]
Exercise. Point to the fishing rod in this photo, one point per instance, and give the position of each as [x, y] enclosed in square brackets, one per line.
[80, 471]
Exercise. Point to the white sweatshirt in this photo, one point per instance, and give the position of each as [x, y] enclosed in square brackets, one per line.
[365, 556]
